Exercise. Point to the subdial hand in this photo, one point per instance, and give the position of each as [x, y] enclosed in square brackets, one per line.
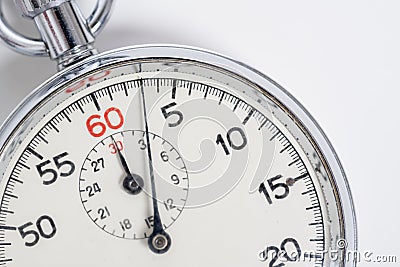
[159, 241]
[133, 183]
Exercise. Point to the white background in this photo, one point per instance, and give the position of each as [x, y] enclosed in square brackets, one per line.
[340, 59]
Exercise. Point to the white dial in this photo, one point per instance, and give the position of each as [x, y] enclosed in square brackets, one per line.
[166, 162]
[118, 204]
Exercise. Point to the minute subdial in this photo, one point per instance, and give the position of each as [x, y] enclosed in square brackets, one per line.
[118, 162]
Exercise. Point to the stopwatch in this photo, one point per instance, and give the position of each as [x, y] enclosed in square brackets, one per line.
[162, 155]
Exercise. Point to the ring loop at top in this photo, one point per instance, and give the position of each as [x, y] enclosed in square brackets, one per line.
[36, 47]
[100, 16]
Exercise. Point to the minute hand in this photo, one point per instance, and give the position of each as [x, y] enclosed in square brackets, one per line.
[121, 158]
[159, 241]
[133, 183]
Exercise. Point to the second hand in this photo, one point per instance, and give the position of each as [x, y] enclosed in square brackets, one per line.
[159, 241]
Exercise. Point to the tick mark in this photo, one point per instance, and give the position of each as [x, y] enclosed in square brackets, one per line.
[221, 98]
[158, 85]
[274, 136]
[95, 102]
[312, 207]
[304, 175]
[33, 152]
[24, 166]
[293, 162]
[206, 92]
[315, 223]
[236, 105]
[263, 124]
[10, 228]
[54, 127]
[16, 180]
[307, 192]
[312, 255]
[110, 94]
[285, 148]
[316, 239]
[7, 211]
[248, 117]
[80, 107]
[125, 89]
[190, 88]
[174, 90]
[66, 116]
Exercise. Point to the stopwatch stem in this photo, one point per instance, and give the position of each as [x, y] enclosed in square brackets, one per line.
[159, 241]
[63, 29]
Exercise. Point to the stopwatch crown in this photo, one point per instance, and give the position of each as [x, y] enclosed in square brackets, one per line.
[32, 8]
[66, 35]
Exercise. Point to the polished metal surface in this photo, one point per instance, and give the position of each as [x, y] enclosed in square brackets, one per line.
[41, 8]
[65, 33]
[32, 8]
[18, 42]
[300, 121]
[100, 15]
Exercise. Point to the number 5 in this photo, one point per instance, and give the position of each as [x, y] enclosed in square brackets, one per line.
[168, 114]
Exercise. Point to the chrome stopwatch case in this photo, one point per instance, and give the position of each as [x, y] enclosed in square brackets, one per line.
[167, 156]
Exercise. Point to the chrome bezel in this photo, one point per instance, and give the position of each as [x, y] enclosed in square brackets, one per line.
[283, 98]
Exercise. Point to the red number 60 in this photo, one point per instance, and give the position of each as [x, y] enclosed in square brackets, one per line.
[98, 128]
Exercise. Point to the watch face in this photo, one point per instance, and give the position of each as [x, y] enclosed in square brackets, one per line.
[165, 161]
